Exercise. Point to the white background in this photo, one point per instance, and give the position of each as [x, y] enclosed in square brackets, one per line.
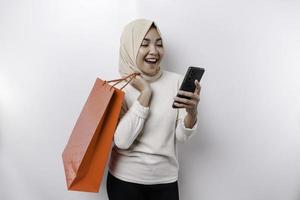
[248, 147]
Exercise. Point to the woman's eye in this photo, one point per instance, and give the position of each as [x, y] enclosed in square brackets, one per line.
[146, 45]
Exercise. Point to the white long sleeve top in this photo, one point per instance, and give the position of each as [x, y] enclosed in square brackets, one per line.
[145, 140]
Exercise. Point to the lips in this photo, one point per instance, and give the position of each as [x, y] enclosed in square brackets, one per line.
[151, 60]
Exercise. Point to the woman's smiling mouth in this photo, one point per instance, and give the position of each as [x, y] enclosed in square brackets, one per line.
[151, 60]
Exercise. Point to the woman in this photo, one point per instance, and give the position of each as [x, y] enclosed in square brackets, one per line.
[143, 162]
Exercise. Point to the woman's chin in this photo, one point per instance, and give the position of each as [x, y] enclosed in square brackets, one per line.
[150, 69]
[152, 72]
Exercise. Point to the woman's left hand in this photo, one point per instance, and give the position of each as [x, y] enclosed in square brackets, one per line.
[189, 104]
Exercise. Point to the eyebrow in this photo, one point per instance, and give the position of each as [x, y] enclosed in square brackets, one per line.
[146, 39]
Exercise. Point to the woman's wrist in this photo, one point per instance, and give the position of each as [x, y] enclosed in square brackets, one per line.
[145, 97]
[147, 90]
[190, 120]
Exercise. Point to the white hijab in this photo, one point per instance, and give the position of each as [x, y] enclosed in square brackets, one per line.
[131, 40]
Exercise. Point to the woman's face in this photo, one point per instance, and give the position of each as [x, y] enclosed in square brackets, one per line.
[150, 53]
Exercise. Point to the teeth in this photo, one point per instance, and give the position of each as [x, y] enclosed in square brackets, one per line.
[151, 60]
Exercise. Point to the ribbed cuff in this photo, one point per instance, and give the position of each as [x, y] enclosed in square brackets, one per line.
[188, 129]
[140, 110]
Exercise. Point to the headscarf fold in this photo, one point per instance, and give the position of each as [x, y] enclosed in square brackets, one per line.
[130, 42]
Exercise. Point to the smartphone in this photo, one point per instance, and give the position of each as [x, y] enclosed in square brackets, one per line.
[188, 83]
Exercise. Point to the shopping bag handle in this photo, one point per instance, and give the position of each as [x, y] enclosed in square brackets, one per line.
[131, 76]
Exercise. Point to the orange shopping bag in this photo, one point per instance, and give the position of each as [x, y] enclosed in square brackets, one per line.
[89, 145]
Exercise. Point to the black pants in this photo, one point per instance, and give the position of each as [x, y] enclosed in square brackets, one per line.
[121, 190]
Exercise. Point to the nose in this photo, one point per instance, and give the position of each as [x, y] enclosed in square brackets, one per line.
[153, 50]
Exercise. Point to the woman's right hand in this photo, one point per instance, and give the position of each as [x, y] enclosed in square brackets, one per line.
[140, 84]
[145, 90]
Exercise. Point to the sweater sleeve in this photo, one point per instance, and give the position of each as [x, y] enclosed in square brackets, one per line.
[182, 133]
[130, 125]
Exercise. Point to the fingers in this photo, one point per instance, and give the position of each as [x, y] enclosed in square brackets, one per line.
[189, 94]
[198, 87]
[193, 95]
[140, 83]
[182, 105]
[137, 79]
[190, 102]
[137, 76]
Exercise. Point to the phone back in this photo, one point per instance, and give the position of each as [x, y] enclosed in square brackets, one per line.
[193, 73]
[188, 83]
